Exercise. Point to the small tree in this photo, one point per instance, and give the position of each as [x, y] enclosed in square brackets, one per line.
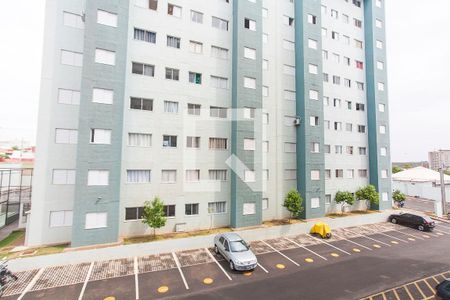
[396, 169]
[154, 215]
[368, 194]
[447, 172]
[407, 166]
[293, 203]
[345, 199]
[15, 148]
[398, 196]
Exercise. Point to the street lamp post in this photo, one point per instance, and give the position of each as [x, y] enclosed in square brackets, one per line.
[443, 198]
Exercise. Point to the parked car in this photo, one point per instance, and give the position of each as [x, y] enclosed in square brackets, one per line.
[236, 251]
[420, 222]
[443, 290]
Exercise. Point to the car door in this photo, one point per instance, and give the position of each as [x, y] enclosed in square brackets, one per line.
[220, 245]
[405, 219]
[226, 250]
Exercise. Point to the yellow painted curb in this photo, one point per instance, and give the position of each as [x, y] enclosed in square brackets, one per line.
[110, 298]
[280, 266]
[309, 260]
[247, 273]
[334, 254]
[356, 250]
[394, 242]
[163, 289]
[208, 280]
[376, 246]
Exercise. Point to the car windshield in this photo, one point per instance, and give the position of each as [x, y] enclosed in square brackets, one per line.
[238, 246]
[428, 219]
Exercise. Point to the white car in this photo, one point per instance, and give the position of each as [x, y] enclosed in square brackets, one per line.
[236, 251]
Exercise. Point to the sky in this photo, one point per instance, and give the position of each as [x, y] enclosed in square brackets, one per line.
[418, 77]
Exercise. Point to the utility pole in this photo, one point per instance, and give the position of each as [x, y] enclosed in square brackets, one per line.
[444, 202]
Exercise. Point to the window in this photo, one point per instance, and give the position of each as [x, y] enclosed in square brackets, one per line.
[378, 3]
[196, 17]
[349, 105]
[173, 42]
[63, 177]
[324, 54]
[249, 209]
[265, 146]
[100, 136]
[105, 57]
[358, 23]
[328, 199]
[68, 97]
[381, 107]
[66, 136]
[174, 10]
[265, 12]
[106, 18]
[336, 80]
[138, 176]
[349, 127]
[379, 44]
[249, 53]
[312, 44]
[219, 23]
[384, 174]
[339, 173]
[338, 149]
[289, 70]
[385, 198]
[345, 18]
[362, 150]
[139, 140]
[313, 121]
[73, 20]
[194, 109]
[249, 144]
[218, 143]
[360, 107]
[382, 129]
[265, 38]
[195, 78]
[171, 107]
[290, 174]
[312, 19]
[289, 121]
[313, 69]
[327, 174]
[196, 47]
[219, 82]
[288, 21]
[193, 142]
[288, 45]
[144, 35]
[336, 58]
[380, 86]
[61, 218]
[358, 44]
[324, 32]
[313, 95]
[169, 211]
[290, 147]
[71, 58]
[134, 213]
[98, 177]
[347, 61]
[219, 52]
[362, 173]
[337, 102]
[315, 202]
[325, 77]
[357, 3]
[265, 203]
[168, 176]
[250, 24]
[143, 69]
[218, 112]
[326, 124]
[102, 96]
[217, 207]
[141, 104]
[192, 175]
[338, 126]
[361, 129]
[315, 175]
[249, 176]
[172, 74]
[383, 151]
[250, 83]
[265, 91]
[347, 83]
[350, 174]
[335, 35]
[327, 149]
[378, 23]
[380, 65]
[96, 220]
[249, 113]
[290, 95]
[217, 175]
[151, 4]
[191, 209]
[169, 141]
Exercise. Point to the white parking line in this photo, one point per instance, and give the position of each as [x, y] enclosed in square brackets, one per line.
[86, 281]
[177, 262]
[444, 226]
[136, 278]
[31, 284]
[389, 236]
[353, 242]
[411, 235]
[368, 237]
[441, 231]
[326, 243]
[219, 265]
[303, 247]
[264, 269]
[295, 263]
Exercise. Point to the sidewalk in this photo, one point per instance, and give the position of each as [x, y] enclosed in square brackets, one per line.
[166, 246]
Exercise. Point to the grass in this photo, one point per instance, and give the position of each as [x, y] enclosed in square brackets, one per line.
[173, 235]
[11, 238]
[351, 213]
[282, 222]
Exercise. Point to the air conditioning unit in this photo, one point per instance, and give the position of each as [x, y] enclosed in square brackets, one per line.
[297, 122]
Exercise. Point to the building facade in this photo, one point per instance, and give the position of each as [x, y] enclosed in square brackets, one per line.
[438, 159]
[218, 107]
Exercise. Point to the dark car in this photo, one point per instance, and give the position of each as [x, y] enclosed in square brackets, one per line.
[420, 222]
[443, 290]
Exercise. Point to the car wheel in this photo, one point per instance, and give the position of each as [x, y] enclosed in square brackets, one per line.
[421, 228]
[328, 236]
[216, 249]
[231, 265]
[394, 221]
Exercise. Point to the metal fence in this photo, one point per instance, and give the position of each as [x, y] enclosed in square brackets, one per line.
[15, 194]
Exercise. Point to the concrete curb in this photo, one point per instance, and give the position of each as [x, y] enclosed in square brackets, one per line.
[138, 250]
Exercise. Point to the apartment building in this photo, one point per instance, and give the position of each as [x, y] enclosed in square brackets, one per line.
[218, 107]
[438, 159]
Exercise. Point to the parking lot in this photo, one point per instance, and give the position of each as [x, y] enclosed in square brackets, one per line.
[188, 272]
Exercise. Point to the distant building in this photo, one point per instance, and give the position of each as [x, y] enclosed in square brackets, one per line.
[439, 158]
